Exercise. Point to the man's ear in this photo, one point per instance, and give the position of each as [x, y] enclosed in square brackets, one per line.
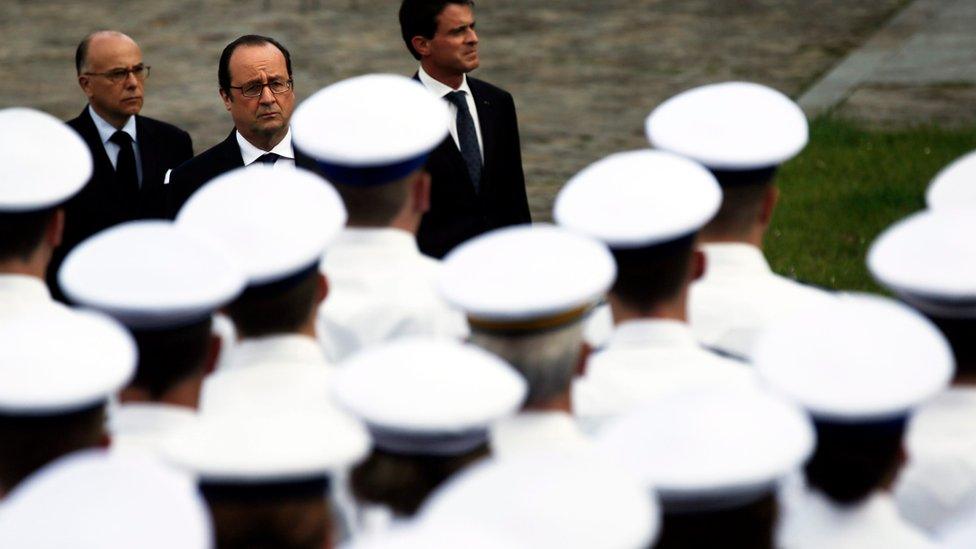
[421, 45]
[584, 356]
[321, 288]
[213, 354]
[698, 265]
[421, 192]
[226, 97]
[769, 204]
[84, 83]
[55, 229]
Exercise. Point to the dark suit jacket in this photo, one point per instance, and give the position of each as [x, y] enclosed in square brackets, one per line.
[219, 159]
[457, 212]
[102, 203]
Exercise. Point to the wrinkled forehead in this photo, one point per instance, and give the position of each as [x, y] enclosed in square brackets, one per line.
[249, 63]
[112, 51]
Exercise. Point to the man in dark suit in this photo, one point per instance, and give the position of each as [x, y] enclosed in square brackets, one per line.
[131, 153]
[255, 78]
[477, 182]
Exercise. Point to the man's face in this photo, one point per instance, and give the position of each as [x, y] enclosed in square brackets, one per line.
[114, 100]
[454, 47]
[263, 117]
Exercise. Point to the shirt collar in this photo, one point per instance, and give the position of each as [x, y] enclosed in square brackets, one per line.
[106, 130]
[734, 257]
[275, 348]
[439, 88]
[250, 153]
[387, 237]
[652, 332]
[24, 285]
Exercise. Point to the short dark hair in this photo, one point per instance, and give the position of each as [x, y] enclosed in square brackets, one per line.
[28, 443]
[402, 482]
[275, 309]
[419, 18]
[743, 193]
[651, 275]
[223, 67]
[853, 460]
[256, 523]
[22, 232]
[81, 52]
[170, 356]
[959, 332]
[373, 205]
[751, 525]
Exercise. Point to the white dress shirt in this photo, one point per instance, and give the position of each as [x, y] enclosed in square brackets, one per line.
[740, 295]
[537, 432]
[440, 89]
[146, 426]
[939, 479]
[20, 293]
[270, 371]
[644, 360]
[815, 522]
[380, 287]
[105, 132]
[284, 149]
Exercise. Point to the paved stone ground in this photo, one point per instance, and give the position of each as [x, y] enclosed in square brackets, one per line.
[920, 68]
[584, 73]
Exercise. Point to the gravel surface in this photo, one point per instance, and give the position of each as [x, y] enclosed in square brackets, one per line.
[584, 73]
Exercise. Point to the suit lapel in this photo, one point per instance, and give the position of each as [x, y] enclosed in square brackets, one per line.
[151, 178]
[103, 166]
[486, 120]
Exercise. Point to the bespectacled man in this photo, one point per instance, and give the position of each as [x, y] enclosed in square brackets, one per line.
[132, 153]
[257, 87]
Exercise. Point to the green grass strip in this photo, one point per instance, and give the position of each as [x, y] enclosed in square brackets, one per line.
[847, 186]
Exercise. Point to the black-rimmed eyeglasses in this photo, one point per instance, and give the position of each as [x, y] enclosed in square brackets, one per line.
[141, 72]
[255, 89]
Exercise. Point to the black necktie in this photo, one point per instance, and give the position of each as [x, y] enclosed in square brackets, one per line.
[467, 137]
[268, 158]
[125, 166]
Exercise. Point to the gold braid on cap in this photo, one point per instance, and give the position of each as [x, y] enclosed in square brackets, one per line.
[529, 325]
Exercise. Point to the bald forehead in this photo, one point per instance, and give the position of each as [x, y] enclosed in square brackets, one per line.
[112, 49]
[247, 63]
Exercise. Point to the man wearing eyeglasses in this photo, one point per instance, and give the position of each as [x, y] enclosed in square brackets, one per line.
[256, 85]
[131, 153]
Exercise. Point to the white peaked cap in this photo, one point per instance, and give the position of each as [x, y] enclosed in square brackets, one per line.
[55, 360]
[31, 176]
[711, 447]
[639, 198]
[150, 274]
[428, 396]
[955, 185]
[550, 501]
[253, 447]
[105, 500]
[384, 122]
[858, 358]
[730, 126]
[526, 272]
[274, 223]
[929, 260]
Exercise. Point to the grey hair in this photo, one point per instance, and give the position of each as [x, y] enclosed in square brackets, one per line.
[547, 360]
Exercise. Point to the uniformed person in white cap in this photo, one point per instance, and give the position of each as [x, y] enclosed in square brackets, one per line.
[428, 404]
[955, 185]
[648, 207]
[371, 136]
[715, 457]
[549, 501]
[163, 284]
[276, 224]
[266, 475]
[741, 132]
[33, 188]
[103, 500]
[859, 365]
[59, 369]
[527, 291]
[929, 261]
